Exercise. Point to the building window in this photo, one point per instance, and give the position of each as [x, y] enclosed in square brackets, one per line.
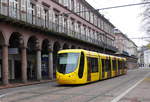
[80, 10]
[78, 7]
[89, 36]
[72, 25]
[66, 3]
[72, 5]
[46, 14]
[84, 30]
[79, 28]
[33, 13]
[91, 17]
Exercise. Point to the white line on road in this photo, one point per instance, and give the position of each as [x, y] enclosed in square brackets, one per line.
[127, 91]
[3, 95]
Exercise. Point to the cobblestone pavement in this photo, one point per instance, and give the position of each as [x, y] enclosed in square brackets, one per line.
[133, 87]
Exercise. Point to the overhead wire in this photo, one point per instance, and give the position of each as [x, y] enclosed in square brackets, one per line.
[113, 7]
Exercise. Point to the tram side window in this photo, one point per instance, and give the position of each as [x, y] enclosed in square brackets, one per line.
[93, 64]
[103, 65]
[108, 65]
[123, 64]
[114, 64]
[119, 64]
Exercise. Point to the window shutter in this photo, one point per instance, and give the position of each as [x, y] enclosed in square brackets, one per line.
[66, 3]
[42, 13]
[75, 24]
[43, 16]
[70, 5]
[63, 24]
[87, 32]
[60, 1]
[4, 1]
[38, 10]
[29, 8]
[69, 24]
[50, 15]
[29, 11]
[81, 30]
[17, 9]
[80, 10]
[23, 5]
[11, 8]
[60, 20]
[75, 6]
[53, 16]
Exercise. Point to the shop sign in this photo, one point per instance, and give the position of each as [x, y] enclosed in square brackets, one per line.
[13, 51]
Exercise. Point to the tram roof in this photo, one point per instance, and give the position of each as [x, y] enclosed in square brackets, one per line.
[92, 52]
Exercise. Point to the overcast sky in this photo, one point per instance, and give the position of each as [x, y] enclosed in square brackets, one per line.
[127, 19]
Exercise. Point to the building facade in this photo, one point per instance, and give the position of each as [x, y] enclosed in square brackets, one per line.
[124, 44]
[127, 48]
[33, 31]
[147, 58]
[144, 57]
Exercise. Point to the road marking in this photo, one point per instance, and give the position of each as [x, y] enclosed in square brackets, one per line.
[6, 94]
[127, 91]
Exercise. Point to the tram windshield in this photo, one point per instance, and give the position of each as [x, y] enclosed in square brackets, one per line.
[67, 62]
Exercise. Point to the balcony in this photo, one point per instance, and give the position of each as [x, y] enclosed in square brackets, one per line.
[30, 20]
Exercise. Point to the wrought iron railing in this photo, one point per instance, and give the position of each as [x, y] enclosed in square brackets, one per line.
[18, 14]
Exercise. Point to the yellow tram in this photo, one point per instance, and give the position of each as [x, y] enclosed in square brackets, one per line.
[77, 66]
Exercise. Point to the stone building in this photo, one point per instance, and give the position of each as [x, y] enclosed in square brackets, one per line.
[33, 31]
[144, 57]
[127, 48]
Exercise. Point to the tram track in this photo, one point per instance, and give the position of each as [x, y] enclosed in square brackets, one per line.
[86, 90]
[116, 88]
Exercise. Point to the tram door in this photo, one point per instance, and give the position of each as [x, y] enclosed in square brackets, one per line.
[89, 70]
[103, 68]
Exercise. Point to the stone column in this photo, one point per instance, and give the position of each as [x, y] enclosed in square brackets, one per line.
[38, 64]
[50, 62]
[50, 65]
[5, 64]
[24, 64]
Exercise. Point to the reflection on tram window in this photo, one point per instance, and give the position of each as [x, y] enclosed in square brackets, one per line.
[67, 62]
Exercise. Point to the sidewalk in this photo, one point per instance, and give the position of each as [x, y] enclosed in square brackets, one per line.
[141, 93]
[24, 84]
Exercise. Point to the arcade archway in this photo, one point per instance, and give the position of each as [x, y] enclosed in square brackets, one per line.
[56, 48]
[15, 73]
[1, 44]
[73, 47]
[44, 59]
[65, 46]
[31, 58]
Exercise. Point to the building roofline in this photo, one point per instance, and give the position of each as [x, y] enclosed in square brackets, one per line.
[98, 13]
[119, 32]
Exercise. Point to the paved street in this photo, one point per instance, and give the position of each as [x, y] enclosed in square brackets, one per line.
[133, 87]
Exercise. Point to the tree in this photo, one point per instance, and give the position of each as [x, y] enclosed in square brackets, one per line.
[146, 16]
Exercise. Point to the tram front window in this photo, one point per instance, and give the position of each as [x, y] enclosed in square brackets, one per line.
[67, 62]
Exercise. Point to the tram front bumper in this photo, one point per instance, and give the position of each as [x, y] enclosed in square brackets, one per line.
[65, 79]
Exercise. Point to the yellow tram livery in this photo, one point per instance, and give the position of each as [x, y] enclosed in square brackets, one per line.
[77, 66]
